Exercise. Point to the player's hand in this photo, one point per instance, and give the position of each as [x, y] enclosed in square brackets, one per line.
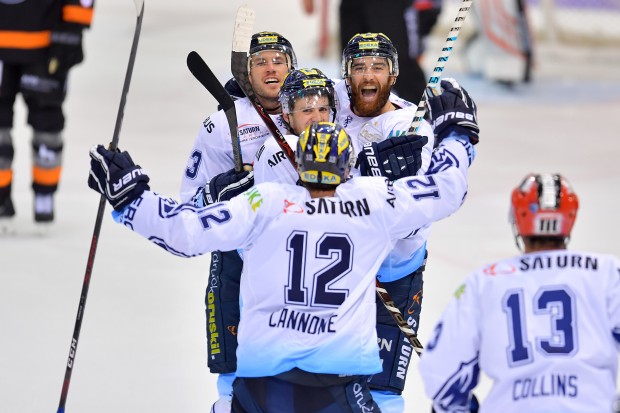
[451, 110]
[393, 158]
[114, 174]
[225, 186]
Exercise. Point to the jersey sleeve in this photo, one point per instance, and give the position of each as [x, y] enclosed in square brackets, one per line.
[421, 200]
[186, 231]
[449, 371]
[613, 299]
[77, 14]
[210, 155]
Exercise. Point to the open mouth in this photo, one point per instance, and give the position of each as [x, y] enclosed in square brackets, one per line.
[272, 81]
[369, 92]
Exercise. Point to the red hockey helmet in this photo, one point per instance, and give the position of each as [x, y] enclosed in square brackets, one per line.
[544, 205]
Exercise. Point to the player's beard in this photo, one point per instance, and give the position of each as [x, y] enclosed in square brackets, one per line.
[364, 108]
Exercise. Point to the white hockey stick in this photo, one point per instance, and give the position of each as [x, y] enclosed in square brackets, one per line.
[441, 62]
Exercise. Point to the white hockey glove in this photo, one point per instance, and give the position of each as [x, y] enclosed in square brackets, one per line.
[113, 174]
[451, 110]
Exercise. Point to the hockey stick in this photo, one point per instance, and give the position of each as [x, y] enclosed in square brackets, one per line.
[242, 35]
[205, 76]
[526, 39]
[102, 202]
[441, 62]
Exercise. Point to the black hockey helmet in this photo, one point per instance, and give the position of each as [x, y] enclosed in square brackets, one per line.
[301, 83]
[369, 44]
[273, 41]
[323, 152]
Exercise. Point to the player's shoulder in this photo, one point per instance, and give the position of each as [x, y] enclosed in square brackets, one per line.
[374, 187]
[402, 103]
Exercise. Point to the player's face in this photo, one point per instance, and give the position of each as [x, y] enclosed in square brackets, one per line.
[371, 83]
[308, 109]
[267, 71]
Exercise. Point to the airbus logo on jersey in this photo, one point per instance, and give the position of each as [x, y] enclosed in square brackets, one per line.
[276, 158]
[250, 132]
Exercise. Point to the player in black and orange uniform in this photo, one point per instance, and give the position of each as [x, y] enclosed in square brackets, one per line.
[39, 43]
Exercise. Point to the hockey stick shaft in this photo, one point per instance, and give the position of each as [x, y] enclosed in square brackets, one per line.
[398, 318]
[441, 62]
[205, 76]
[102, 202]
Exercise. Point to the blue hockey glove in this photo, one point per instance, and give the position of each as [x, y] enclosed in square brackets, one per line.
[224, 187]
[452, 110]
[393, 158]
[113, 174]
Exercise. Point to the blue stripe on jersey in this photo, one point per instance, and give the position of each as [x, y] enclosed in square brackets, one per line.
[389, 272]
[616, 334]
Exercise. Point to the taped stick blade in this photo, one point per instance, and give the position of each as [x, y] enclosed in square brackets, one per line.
[244, 26]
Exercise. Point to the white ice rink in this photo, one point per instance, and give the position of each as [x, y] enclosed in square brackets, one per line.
[142, 346]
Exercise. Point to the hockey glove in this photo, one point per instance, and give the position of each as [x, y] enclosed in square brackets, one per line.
[224, 187]
[452, 110]
[65, 51]
[393, 158]
[113, 174]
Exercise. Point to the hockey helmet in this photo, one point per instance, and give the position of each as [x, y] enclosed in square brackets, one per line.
[323, 152]
[306, 83]
[369, 44]
[273, 41]
[543, 205]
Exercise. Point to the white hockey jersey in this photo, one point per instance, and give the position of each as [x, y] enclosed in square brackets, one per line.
[212, 151]
[271, 165]
[543, 326]
[311, 263]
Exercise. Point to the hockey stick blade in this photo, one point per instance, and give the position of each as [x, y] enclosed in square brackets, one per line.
[102, 203]
[441, 62]
[242, 36]
[205, 76]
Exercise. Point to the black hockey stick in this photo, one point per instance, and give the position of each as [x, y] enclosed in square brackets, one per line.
[244, 23]
[526, 39]
[441, 62]
[205, 76]
[102, 202]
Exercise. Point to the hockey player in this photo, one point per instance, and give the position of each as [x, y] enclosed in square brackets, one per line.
[271, 58]
[371, 115]
[303, 346]
[306, 96]
[40, 43]
[544, 326]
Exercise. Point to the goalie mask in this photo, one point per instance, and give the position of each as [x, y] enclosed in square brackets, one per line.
[543, 205]
[322, 155]
[272, 41]
[309, 85]
[369, 44]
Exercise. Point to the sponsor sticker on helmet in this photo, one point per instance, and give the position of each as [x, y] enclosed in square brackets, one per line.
[368, 45]
[267, 39]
